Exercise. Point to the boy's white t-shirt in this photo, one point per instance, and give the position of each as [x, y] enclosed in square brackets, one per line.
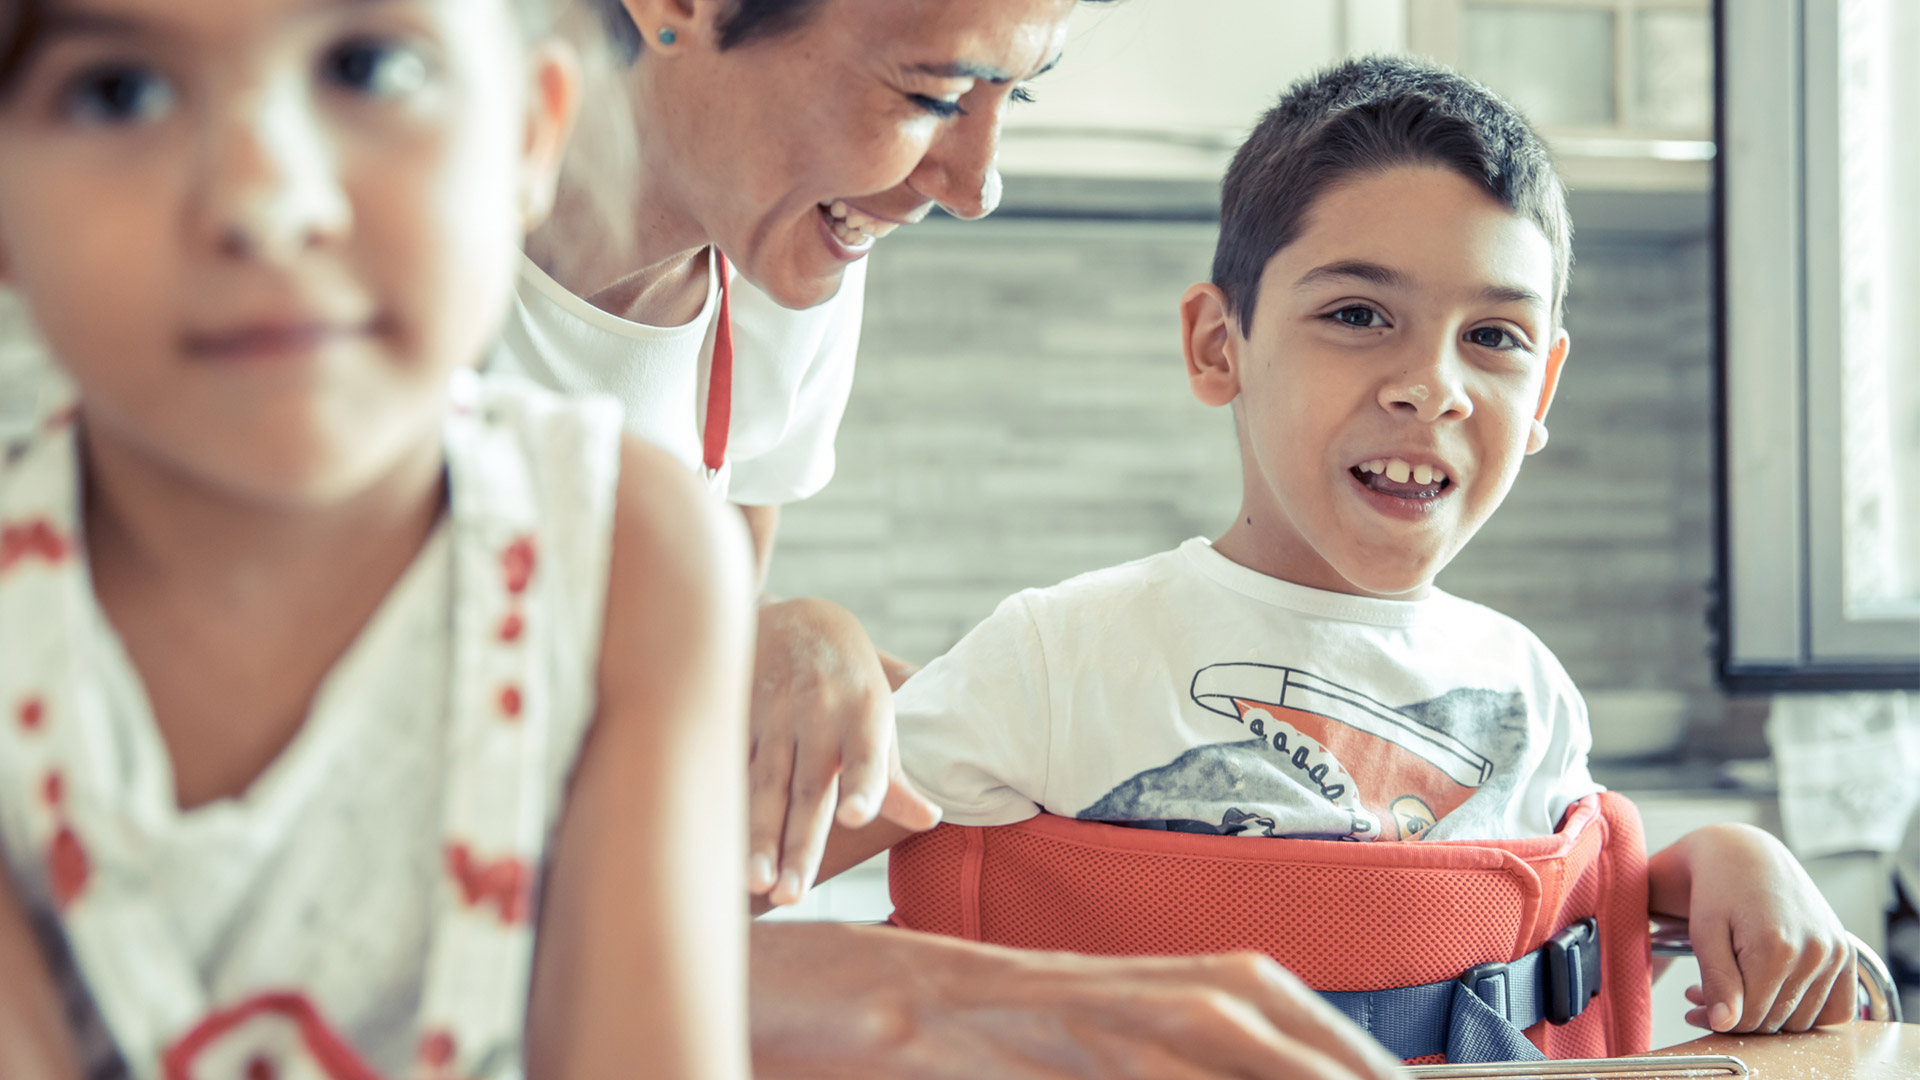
[1185, 691]
[793, 372]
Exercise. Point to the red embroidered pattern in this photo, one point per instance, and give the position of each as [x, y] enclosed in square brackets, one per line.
[335, 1057]
[437, 1048]
[518, 561]
[504, 883]
[68, 867]
[35, 538]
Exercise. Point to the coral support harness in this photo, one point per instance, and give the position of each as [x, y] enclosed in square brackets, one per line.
[1463, 951]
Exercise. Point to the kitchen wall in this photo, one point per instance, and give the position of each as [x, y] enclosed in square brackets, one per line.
[1021, 415]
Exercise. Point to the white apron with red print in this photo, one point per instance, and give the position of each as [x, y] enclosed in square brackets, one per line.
[365, 908]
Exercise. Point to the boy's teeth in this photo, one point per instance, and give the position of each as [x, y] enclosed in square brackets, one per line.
[1400, 471]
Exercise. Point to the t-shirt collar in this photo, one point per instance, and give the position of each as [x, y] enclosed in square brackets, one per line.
[559, 296]
[1201, 555]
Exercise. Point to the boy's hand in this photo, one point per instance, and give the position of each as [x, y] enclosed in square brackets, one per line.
[822, 737]
[1773, 956]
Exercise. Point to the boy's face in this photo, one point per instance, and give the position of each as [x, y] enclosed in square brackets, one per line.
[1394, 377]
[260, 233]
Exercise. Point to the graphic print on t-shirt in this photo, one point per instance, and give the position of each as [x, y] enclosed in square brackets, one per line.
[1391, 772]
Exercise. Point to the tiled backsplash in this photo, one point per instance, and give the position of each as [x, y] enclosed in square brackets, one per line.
[1021, 415]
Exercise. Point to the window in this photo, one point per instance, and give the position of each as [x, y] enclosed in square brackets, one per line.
[1820, 552]
[1624, 96]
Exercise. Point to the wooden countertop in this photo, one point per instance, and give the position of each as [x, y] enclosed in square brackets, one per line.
[1862, 1050]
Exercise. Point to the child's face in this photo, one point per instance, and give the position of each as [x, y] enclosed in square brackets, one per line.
[1393, 379]
[261, 233]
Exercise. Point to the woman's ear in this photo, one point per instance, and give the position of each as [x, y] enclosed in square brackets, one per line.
[1556, 360]
[1207, 336]
[664, 25]
[553, 105]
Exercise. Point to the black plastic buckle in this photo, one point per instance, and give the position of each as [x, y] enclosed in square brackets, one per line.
[1498, 996]
[1573, 970]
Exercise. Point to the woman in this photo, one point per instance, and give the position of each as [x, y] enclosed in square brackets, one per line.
[793, 136]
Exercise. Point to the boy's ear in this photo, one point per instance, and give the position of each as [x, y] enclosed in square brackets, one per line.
[1556, 360]
[1207, 337]
[554, 104]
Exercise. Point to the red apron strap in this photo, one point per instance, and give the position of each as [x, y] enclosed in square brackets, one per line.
[720, 378]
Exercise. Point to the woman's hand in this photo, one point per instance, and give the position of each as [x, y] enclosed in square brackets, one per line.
[832, 1000]
[1773, 955]
[822, 738]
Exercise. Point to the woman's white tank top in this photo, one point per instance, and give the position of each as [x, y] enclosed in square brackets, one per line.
[366, 906]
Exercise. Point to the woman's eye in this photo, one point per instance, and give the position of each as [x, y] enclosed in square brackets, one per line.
[940, 107]
[1358, 316]
[118, 94]
[1023, 96]
[1492, 337]
[380, 69]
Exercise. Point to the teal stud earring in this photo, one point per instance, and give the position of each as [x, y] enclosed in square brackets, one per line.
[667, 36]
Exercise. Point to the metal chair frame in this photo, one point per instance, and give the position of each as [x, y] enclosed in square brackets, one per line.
[1671, 941]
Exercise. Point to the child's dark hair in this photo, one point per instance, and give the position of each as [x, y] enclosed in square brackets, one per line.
[19, 28]
[1365, 116]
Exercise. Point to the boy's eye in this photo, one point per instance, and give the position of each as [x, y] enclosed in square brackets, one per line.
[380, 69]
[118, 94]
[1358, 316]
[1492, 337]
[940, 107]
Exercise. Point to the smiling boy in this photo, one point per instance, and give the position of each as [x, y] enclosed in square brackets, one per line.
[1384, 318]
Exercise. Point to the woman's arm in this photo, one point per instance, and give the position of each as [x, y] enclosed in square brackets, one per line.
[34, 1041]
[823, 751]
[641, 964]
[831, 1000]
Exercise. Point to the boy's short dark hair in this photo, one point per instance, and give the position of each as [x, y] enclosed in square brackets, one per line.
[1365, 116]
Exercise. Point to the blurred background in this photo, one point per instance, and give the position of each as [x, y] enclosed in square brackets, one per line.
[1021, 412]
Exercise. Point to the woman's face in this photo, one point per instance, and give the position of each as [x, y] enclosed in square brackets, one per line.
[797, 152]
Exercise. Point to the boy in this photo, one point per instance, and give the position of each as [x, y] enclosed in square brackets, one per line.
[1384, 320]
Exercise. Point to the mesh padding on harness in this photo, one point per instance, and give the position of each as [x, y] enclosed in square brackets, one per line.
[1342, 916]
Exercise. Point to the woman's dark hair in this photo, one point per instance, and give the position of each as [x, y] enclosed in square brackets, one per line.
[744, 21]
[1366, 116]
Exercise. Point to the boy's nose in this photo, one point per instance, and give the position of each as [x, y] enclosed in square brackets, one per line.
[1429, 391]
[960, 170]
[271, 188]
